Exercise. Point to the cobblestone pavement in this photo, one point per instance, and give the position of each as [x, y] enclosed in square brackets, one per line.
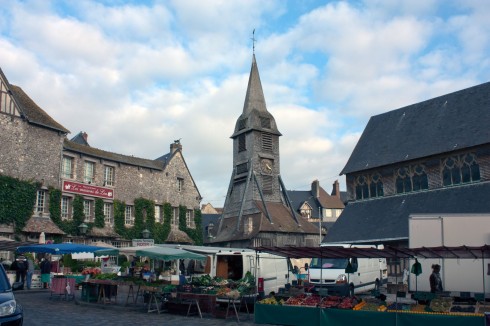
[40, 309]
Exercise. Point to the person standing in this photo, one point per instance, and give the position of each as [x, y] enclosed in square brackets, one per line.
[30, 271]
[45, 272]
[435, 279]
[20, 268]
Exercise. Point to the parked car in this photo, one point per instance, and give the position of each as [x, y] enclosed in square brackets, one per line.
[11, 313]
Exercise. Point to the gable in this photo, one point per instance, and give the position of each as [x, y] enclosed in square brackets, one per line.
[7, 102]
[443, 124]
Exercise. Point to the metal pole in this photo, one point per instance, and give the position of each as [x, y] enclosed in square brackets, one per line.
[320, 223]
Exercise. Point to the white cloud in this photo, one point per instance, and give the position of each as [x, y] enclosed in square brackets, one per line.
[137, 76]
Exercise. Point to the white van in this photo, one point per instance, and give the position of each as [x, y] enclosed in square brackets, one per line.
[365, 273]
[270, 271]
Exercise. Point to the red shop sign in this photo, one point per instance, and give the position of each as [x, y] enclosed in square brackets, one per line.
[88, 190]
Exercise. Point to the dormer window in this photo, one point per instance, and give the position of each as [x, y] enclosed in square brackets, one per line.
[265, 122]
[242, 124]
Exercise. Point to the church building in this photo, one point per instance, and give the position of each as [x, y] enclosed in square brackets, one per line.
[257, 209]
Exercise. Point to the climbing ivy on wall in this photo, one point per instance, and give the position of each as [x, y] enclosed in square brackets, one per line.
[55, 205]
[17, 199]
[194, 234]
[144, 208]
[119, 207]
[161, 231]
[99, 220]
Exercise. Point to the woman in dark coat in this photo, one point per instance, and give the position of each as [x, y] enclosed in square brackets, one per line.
[45, 272]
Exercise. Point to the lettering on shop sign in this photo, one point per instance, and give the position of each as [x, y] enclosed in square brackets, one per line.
[89, 190]
[143, 242]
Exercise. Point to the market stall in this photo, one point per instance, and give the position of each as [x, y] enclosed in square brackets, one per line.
[430, 309]
[62, 286]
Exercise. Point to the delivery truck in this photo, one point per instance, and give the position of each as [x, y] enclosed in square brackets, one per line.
[270, 271]
[468, 276]
[349, 275]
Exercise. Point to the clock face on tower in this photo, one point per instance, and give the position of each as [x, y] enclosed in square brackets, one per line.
[266, 165]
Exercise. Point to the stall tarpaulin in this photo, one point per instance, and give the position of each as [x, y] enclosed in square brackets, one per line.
[164, 253]
[58, 248]
[168, 253]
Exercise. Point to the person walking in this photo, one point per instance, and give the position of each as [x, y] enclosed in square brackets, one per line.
[30, 272]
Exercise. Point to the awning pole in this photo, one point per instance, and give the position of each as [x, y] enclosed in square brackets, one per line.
[483, 273]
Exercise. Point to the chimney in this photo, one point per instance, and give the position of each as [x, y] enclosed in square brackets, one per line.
[336, 189]
[176, 145]
[85, 136]
[315, 188]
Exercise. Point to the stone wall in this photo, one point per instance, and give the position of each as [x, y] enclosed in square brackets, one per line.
[28, 152]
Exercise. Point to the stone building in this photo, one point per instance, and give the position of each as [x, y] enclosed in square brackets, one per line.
[257, 210]
[35, 147]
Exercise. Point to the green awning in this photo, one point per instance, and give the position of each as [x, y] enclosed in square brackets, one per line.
[168, 253]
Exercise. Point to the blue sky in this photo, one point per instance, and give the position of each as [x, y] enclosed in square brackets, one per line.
[135, 75]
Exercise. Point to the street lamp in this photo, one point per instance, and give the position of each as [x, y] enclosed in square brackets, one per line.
[82, 228]
[145, 233]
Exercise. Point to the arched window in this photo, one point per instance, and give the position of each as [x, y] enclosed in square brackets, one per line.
[403, 181]
[470, 170]
[419, 178]
[362, 189]
[460, 169]
[376, 186]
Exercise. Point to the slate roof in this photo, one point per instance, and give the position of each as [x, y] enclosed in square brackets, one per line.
[98, 153]
[206, 219]
[107, 232]
[282, 222]
[298, 197]
[38, 224]
[32, 112]
[178, 236]
[80, 139]
[451, 122]
[386, 219]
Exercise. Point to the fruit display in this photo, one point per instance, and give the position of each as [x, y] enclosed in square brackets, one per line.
[272, 300]
[331, 301]
[441, 304]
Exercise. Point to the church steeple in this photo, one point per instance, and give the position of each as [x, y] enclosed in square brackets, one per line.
[255, 115]
[254, 99]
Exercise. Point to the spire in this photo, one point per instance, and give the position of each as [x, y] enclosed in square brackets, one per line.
[255, 96]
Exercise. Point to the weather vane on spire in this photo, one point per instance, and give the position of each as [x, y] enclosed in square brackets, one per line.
[253, 41]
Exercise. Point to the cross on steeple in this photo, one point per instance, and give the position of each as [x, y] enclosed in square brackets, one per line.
[253, 41]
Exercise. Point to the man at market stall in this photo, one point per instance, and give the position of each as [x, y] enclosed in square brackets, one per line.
[435, 279]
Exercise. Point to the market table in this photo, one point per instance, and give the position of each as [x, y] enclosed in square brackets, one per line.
[299, 315]
[63, 287]
[99, 290]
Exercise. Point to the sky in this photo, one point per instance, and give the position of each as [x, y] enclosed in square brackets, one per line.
[137, 75]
